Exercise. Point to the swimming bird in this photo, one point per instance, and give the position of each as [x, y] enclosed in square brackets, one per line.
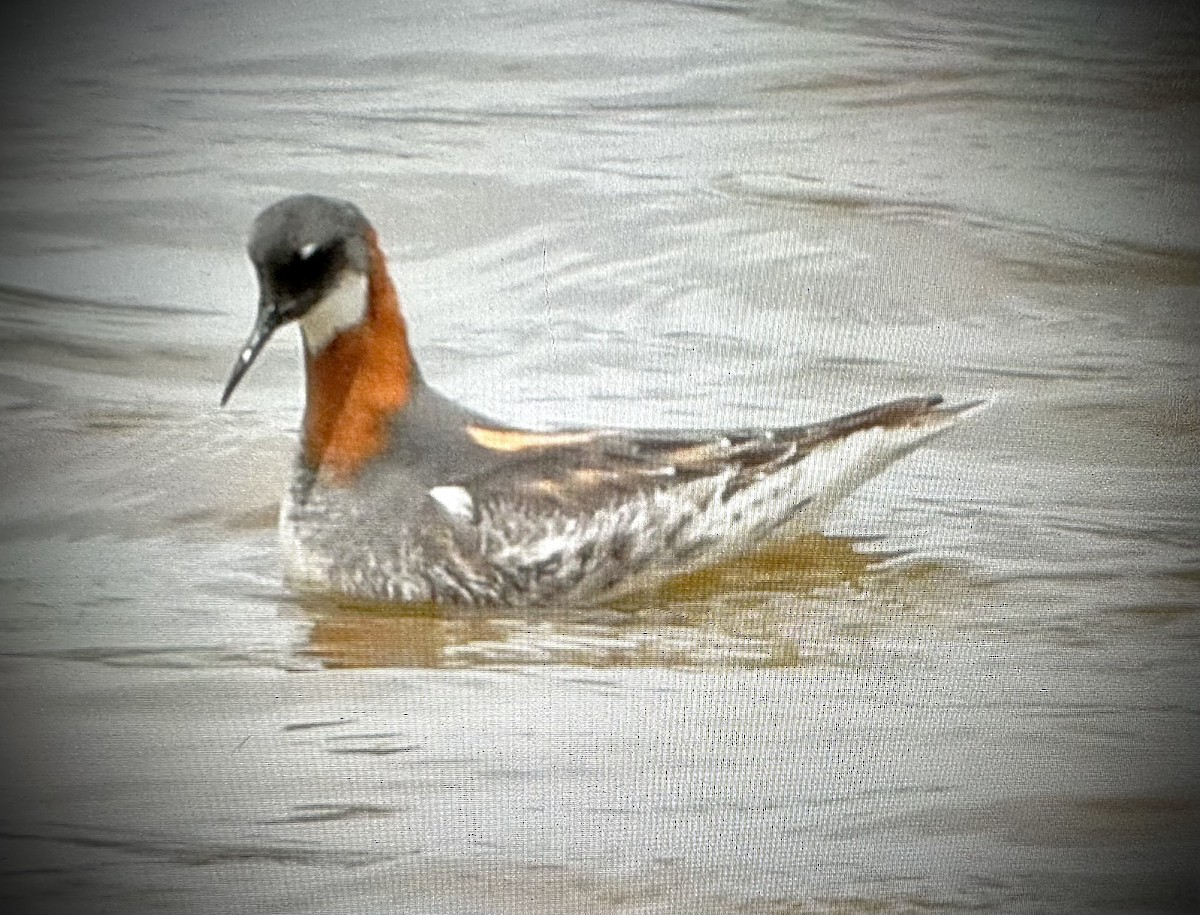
[400, 494]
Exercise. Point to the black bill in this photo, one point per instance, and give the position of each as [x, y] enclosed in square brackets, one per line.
[268, 322]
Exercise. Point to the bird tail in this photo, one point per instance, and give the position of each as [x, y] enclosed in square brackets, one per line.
[842, 454]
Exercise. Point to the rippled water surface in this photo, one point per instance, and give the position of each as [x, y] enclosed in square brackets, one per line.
[976, 692]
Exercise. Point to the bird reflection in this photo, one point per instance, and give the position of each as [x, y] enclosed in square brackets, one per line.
[776, 607]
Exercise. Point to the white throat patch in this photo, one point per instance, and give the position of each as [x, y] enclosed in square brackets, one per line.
[343, 307]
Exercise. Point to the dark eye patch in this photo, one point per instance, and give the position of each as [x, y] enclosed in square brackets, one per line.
[297, 275]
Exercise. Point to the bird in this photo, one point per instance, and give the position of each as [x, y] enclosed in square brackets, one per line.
[400, 495]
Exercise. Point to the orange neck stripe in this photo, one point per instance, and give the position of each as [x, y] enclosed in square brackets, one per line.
[362, 377]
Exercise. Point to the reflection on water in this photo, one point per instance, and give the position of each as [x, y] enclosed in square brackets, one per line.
[792, 604]
[976, 692]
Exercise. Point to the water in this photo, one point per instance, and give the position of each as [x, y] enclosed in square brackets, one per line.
[977, 692]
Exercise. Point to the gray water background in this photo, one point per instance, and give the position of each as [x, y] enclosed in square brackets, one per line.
[978, 692]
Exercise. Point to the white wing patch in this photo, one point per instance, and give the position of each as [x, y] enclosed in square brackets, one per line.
[454, 501]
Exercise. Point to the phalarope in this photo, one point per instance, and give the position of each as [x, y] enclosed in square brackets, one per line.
[399, 494]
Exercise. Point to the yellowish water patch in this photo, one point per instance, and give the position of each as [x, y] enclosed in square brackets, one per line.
[804, 563]
[814, 600]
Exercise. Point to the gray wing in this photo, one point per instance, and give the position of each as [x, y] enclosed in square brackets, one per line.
[584, 471]
[585, 514]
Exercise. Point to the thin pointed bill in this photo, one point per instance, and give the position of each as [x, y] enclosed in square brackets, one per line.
[268, 322]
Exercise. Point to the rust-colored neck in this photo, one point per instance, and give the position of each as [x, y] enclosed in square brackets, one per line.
[363, 377]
